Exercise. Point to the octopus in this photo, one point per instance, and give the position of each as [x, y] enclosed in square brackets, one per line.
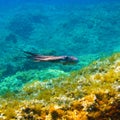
[54, 59]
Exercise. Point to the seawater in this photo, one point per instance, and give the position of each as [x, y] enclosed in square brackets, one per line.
[88, 30]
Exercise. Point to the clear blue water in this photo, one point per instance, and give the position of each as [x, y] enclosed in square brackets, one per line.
[85, 29]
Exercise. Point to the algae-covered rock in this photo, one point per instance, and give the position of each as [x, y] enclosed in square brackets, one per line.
[92, 93]
[15, 82]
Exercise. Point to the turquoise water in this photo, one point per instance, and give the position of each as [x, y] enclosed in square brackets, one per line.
[88, 30]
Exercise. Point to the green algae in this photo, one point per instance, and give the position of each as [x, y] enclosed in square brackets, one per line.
[14, 83]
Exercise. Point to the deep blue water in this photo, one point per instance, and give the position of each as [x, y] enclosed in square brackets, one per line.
[8, 3]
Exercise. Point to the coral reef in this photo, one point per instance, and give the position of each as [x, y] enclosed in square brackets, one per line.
[92, 93]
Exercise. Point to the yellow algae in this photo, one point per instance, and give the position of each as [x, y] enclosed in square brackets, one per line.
[97, 76]
[31, 87]
[76, 115]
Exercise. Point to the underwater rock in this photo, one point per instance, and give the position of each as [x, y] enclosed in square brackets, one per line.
[91, 93]
[15, 82]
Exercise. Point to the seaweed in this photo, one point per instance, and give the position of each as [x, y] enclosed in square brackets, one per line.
[86, 94]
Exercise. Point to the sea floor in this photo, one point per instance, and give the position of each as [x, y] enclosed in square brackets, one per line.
[88, 32]
[90, 93]
[88, 90]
